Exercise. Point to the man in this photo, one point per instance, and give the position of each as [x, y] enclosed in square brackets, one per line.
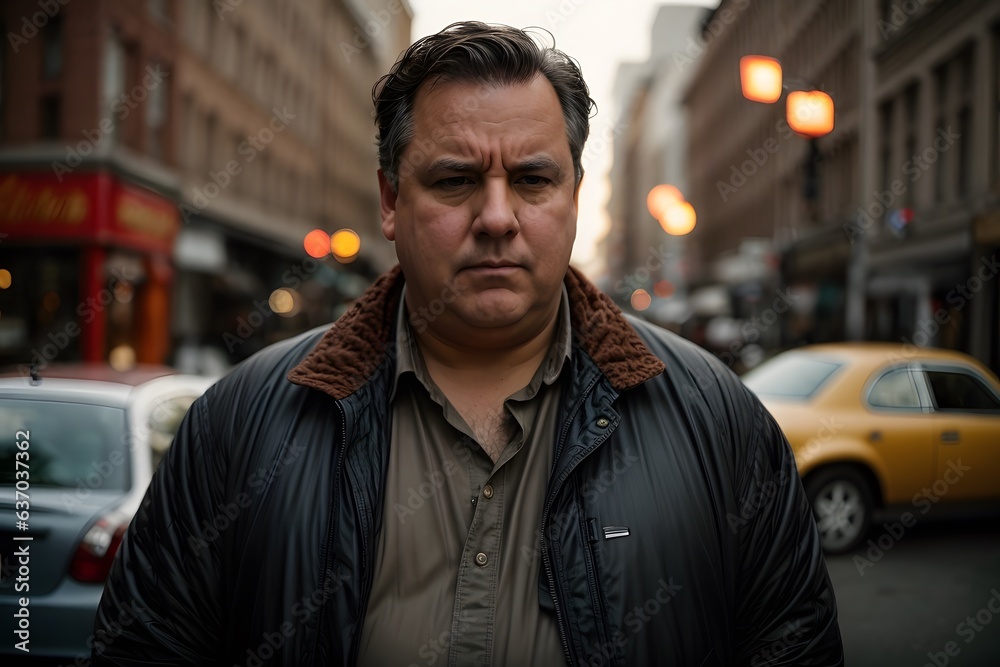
[484, 462]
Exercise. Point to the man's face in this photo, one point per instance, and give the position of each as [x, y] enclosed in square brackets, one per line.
[485, 213]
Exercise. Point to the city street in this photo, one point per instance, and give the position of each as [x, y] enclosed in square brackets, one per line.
[918, 596]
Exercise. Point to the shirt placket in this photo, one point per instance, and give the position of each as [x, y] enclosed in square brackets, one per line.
[479, 573]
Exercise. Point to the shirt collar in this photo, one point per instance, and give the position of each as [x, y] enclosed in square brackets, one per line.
[409, 359]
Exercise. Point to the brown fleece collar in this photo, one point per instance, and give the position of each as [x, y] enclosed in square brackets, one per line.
[352, 349]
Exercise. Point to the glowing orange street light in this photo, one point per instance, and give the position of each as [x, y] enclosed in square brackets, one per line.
[660, 198]
[760, 77]
[317, 243]
[810, 112]
[345, 244]
[679, 219]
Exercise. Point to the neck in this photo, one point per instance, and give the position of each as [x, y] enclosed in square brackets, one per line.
[510, 362]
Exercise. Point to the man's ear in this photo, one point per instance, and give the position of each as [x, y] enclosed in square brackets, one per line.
[387, 204]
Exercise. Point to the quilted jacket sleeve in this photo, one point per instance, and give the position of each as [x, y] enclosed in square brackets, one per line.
[161, 603]
[787, 611]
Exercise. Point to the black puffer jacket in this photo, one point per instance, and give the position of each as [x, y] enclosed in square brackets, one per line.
[254, 543]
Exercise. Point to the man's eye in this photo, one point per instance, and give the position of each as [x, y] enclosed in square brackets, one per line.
[453, 182]
[534, 180]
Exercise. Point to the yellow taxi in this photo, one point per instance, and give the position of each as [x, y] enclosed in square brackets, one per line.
[875, 425]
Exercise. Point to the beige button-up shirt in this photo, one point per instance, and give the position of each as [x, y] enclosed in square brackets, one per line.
[457, 561]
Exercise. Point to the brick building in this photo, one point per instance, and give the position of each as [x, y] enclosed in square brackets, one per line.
[165, 159]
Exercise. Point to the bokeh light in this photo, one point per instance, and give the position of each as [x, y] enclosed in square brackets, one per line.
[317, 243]
[282, 301]
[345, 244]
[5, 278]
[122, 358]
[663, 288]
[679, 219]
[640, 299]
[760, 78]
[662, 197]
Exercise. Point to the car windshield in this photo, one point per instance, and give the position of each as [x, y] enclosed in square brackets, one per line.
[792, 376]
[71, 444]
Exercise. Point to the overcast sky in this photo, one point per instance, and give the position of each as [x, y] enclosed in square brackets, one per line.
[599, 34]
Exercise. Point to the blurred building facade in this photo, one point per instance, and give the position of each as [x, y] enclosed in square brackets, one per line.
[884, 229]
[161, 163]
[929, 262]
[754, 178]
[649, 149]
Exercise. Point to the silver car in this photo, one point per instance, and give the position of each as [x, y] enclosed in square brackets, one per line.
[76, 456]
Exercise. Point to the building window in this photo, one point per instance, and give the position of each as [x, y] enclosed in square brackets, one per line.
[188, 140]
[113, 84]
[940, 123]
[3, 81]
[49, 117]
[52, 47]
[211, 136]
[911, 102]
[963, 121]
[996, 110]
[156, 118]
[885, 151]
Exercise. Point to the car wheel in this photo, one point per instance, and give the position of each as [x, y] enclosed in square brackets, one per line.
[841, 500]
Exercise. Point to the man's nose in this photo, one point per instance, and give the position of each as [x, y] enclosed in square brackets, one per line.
[496, 216]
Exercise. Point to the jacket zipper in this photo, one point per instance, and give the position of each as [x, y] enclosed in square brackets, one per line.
[546, 561]
[367, 574]
[320, 628]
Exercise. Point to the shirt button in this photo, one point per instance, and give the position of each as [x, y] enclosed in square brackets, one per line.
[488, 491]
[602, 422]
[482, 559]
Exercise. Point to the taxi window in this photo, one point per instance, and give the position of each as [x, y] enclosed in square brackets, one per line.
[895, 389]
[790, 376]
[963, 392]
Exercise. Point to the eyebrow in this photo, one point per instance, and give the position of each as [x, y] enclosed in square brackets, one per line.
[538, 163]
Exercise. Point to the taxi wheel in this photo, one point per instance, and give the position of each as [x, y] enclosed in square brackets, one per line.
[841, 500]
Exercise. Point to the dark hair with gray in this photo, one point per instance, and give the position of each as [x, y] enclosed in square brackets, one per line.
[495, 55]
